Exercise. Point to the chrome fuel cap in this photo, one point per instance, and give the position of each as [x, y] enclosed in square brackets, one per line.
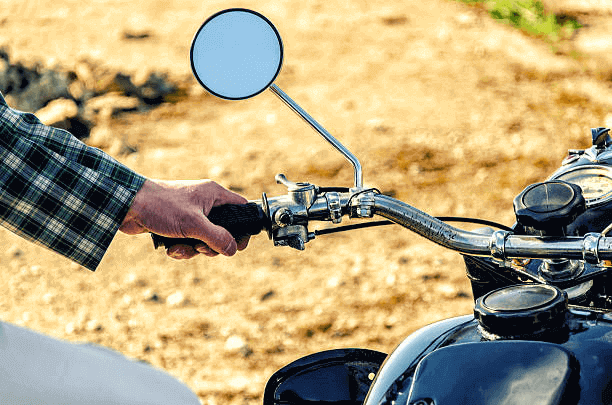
[521, 310]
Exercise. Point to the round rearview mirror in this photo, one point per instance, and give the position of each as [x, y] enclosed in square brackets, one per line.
[236, 54]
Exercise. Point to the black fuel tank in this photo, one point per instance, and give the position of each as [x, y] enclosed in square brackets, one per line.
[456, 361]
[500, 372]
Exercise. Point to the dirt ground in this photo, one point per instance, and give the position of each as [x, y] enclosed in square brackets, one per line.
[447, 109]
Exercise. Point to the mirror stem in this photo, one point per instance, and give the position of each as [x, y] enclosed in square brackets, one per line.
[317, 127]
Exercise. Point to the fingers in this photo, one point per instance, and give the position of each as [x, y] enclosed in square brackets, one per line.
[217, 238]
[181, 252]
[131, 228]
[221, 241]
[243, 242]
[205, 250]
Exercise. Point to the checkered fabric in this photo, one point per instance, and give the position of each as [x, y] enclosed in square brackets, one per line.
[58, 192]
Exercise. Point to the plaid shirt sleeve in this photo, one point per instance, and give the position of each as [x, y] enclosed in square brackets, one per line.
[58, 192]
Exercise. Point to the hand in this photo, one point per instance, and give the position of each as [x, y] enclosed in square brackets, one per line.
[178, 209]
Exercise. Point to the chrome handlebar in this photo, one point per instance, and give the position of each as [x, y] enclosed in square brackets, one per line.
[289, 216]
[592, 248]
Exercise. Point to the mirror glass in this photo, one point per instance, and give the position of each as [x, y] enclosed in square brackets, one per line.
[236, 54]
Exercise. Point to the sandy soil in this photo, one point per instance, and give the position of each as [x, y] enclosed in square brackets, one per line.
[447, 110]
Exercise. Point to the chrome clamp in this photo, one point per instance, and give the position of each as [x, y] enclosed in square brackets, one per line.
[334, 207]
[362, 204]
[497, 244]
[590, 247]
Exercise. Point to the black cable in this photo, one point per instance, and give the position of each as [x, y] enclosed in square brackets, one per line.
[476, 221]
[352, 227]
[334, 189]
[382, 223]
[367, 190]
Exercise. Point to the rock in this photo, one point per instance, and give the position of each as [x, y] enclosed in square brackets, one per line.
[70, 328]
[74, 100]
[57, 111]
[176, 299]
[48, 298]
[77, 90]
[235, 344]
[77, 126]
[268, 295]
[108, 104]
[156, 88]
[152, 296]
[127, 300]
[14, 251]
[40, 90]
[104, 82]
[333, 282]
[136, 35]
[15, 78]
[93, 326]
[446, 290]
[10, 100]
[117, 147]
[125, 85]
[100, 136]
[4, 66]
[85, 75]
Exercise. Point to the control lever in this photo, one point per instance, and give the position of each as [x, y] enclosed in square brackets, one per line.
[291, 186]
[294, 236]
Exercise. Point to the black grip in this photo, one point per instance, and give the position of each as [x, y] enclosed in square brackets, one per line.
[239, 219]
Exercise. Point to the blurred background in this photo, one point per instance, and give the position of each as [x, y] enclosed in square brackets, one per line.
[451, 106]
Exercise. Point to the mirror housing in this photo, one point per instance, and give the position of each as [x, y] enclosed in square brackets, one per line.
[236, 54]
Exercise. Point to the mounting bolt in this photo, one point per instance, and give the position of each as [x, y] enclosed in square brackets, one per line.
[283, 217]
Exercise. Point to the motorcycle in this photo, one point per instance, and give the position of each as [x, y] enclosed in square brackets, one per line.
[541, 331]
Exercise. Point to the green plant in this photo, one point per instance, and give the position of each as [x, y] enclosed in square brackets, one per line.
[530, 16]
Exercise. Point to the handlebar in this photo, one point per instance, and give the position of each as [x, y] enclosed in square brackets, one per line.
[286, 219]
[592, 247]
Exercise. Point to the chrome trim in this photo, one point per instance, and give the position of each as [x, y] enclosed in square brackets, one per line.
[498, 244]
[597, 155]
[361, 204]
[559, 270]
[334, 207]
[590, 202]
[590, 247]
[578, 290]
